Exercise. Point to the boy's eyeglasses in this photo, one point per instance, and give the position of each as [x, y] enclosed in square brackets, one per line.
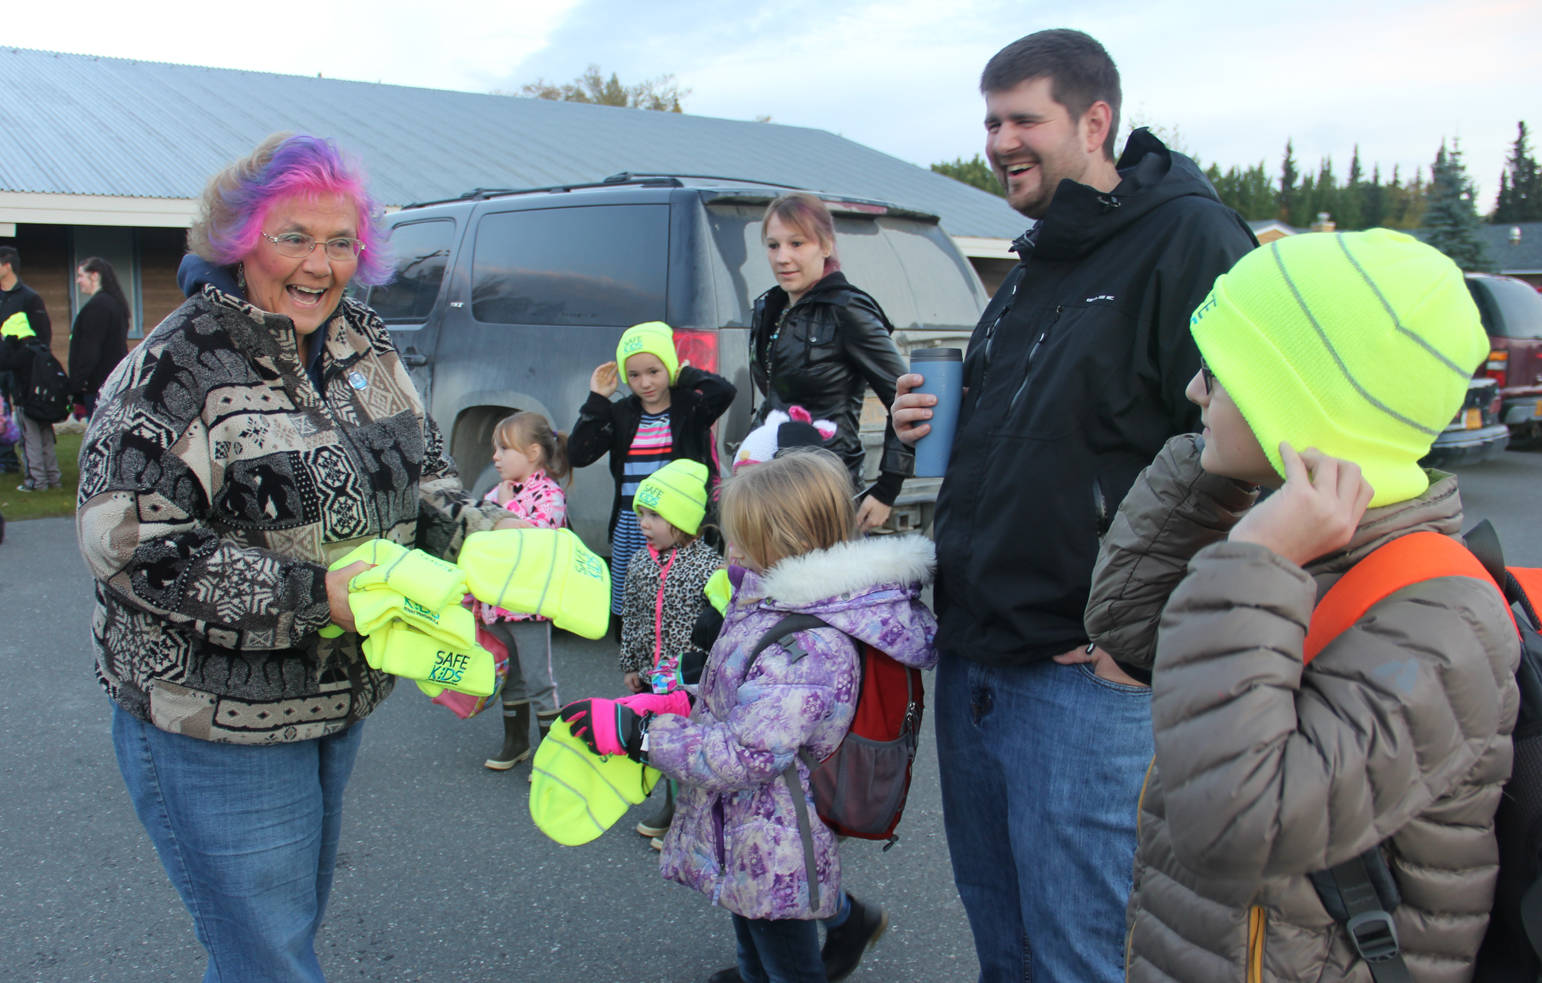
[297, 245]
[1206, 377]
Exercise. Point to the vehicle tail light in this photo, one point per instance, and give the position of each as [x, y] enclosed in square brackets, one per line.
[1498, 366]
[697, 347]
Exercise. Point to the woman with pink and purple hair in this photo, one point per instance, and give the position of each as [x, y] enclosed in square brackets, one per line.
[262, 430]
[818, 341]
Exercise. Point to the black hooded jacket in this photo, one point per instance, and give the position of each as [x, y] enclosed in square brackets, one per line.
[833, 344]
[1075, 378]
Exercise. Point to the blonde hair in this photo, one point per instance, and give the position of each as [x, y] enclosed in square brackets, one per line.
[519, 430]
[789, 506]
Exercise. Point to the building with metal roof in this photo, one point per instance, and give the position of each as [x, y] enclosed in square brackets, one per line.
[106, 156]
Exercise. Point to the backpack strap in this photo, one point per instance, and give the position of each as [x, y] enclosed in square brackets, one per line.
[1405, 561]
[791, 624]
[1367, 917]
[1363, 892]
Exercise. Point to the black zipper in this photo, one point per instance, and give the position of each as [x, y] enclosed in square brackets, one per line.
[1033, 350]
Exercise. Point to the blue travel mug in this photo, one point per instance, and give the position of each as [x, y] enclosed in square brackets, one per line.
[942, 370]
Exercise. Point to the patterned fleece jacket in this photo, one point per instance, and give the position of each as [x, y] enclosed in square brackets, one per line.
[217, 483]
[661, 601]
[735, 832]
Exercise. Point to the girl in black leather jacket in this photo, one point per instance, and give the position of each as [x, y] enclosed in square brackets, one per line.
[818, 341]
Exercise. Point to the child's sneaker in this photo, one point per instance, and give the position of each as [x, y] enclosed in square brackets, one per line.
[657, 843]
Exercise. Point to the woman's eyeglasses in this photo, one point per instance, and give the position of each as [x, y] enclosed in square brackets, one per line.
[298, 245]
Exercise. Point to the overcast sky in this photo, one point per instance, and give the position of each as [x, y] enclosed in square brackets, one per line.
[1231, 79]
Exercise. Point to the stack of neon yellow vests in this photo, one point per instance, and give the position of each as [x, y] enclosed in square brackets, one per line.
[408, 605]
[408, 608]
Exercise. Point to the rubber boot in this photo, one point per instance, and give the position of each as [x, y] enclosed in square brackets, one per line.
[516, 738]
[658, 824]
[543, 724]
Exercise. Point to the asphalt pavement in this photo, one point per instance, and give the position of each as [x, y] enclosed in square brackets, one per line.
[442, 876]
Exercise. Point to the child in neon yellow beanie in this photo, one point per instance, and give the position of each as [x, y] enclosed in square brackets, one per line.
[1329, 364]
[667, 417]
[665, 593]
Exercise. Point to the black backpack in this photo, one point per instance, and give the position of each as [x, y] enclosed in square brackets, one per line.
[46, 396]
[1361, 892]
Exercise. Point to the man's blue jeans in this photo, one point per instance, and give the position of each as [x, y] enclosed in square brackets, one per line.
[778, 951]
[248, 835]
[1041, 771]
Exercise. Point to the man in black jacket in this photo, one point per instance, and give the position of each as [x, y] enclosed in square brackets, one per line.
[1074, 380]
[24, 320]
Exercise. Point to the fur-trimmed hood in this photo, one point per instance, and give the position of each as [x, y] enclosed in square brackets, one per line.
[868, 588]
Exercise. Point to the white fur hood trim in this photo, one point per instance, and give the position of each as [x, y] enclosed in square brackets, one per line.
[850, 567]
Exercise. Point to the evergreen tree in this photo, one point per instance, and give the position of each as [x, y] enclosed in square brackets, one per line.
[1520, 184]
[1373, 201]
[1451, 217]
[1325, 192]
[1351, 199]
[974, 172]
[1288, 175]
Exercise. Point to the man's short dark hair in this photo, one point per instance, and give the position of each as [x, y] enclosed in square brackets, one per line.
[10, 257]
[1079, 70]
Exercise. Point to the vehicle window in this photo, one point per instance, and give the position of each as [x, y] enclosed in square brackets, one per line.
[1518, 306]
[943, 285]
[422, 252]
[601, 265]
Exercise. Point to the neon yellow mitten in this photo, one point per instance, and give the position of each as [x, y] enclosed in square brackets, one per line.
[549, 572]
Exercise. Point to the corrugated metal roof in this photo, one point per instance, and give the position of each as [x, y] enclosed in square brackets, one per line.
[81, 124]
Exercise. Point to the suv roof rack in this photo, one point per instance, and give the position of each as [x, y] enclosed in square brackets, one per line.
[650, 180]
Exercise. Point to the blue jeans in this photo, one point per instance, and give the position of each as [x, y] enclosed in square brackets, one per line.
[248, 835]
[778, 951]
[1054, 756]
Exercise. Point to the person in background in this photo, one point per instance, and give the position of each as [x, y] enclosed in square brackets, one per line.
[24, 323]
[1075, 378]
[99, 339]
[667, 416]
[260, 432]
[531, 459]
[818, 341]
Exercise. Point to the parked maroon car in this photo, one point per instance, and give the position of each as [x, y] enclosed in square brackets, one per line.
[1512, 316]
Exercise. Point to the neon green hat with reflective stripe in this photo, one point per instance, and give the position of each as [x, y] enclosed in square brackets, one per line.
[1359, 344]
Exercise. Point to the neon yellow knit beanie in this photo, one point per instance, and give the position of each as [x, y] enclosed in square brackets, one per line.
[678, 492]
[653, 338]
[1359, 344]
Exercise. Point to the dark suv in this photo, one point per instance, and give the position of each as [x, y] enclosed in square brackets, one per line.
[507, 300]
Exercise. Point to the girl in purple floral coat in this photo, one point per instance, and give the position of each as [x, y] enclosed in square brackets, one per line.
[791, 524]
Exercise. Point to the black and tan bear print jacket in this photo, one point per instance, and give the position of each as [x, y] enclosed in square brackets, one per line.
[217, 483]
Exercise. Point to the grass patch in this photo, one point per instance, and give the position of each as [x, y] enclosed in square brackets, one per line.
[55, 502]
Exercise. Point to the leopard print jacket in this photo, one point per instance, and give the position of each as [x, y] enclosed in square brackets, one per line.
[641, 644]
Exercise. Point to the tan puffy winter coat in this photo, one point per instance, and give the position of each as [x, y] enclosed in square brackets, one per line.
[1398, 732]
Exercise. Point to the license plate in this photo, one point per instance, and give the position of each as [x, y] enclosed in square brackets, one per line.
[1472, 419]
